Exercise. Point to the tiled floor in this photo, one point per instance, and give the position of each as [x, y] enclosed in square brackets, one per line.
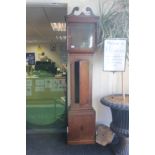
[49, 144]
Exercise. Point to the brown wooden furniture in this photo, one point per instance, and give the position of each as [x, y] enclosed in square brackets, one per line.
[81, 44]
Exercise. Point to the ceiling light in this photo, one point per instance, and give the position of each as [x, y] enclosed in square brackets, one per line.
[58, 26]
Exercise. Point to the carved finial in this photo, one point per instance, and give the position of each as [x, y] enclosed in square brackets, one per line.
[87, 12]
[90, 10]
[74, 9]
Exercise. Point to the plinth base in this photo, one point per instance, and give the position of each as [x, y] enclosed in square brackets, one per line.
[122, 147]
[81, 126]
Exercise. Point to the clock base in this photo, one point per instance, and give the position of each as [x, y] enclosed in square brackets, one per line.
[81, 126]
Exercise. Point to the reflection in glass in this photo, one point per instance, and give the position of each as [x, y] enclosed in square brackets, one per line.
[82, 35]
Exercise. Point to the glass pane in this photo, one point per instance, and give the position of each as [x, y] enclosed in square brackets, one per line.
[82, 35]
[45, 92]
[46, 102]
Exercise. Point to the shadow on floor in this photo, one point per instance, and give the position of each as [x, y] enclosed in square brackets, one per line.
[55, 144]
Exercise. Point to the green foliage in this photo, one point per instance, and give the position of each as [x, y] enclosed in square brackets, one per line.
[114, 20]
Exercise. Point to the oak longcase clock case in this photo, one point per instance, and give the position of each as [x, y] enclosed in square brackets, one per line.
[81, 45]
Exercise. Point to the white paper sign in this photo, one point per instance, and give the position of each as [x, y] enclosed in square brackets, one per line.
[114, 54]
[39, 89]
[28, 83]
[28, 91]
[40, 82]
[48, 83]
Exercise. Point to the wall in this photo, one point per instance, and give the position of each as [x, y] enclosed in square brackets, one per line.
[102, 81]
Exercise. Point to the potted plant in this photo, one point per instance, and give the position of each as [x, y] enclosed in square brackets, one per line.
[114, 16]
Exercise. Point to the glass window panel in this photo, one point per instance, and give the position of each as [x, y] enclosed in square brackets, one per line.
[82, 35]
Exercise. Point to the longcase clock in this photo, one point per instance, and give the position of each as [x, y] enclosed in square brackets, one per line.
[81, 45]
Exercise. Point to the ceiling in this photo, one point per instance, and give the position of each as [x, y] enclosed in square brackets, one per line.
[38, 19]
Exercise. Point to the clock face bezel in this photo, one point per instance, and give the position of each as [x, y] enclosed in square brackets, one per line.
[73, 20]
